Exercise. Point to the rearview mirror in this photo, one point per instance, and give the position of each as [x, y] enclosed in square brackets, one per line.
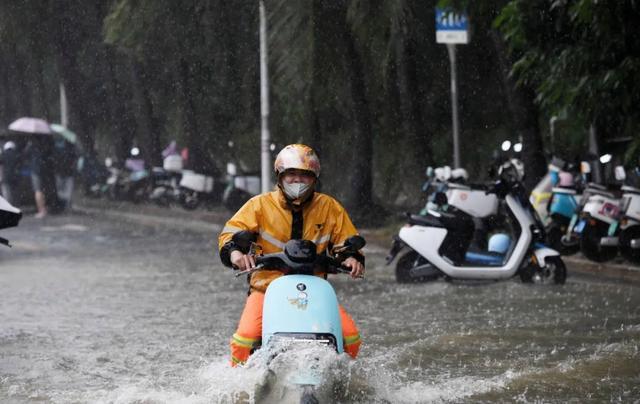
[243, 239]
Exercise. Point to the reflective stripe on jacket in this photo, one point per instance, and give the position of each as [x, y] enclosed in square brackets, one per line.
[324, 221]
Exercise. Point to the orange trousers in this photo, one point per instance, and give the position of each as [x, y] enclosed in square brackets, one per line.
[249, 333]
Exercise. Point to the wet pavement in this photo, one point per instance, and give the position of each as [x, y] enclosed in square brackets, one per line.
[121, 307]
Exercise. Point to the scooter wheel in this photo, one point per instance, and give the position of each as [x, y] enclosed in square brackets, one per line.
[557, 270]
[590, 243]
[554, 237]
[189, 200]
[554, 271]
[555, 232]
[406, 263]
[628, 234]
[233, 199]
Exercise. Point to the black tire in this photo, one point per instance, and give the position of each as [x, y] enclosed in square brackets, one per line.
[407, 261]
[114, 192]
[190, 200]
[628, 234]
[590, 243]
[233, 199]
[555, 231]
[554, 271]
[554, 236]
[557, 269]
[139, 193]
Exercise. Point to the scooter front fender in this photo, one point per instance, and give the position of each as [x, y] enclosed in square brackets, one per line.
[396, 246]
[542, 253]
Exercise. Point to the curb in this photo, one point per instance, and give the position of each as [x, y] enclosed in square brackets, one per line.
[211, 223]
[624, 272]
[154, 220]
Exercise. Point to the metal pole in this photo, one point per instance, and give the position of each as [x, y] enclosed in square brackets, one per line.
[454, 106]
[64, 119]
[265, 157]
[552, 132]
[594, 149]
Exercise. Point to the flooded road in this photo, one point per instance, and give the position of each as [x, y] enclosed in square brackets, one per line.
[97, 310]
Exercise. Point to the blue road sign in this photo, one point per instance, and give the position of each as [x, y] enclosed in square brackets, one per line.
[451, 27]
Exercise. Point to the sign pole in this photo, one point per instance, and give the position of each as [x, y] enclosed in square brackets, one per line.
[451, 48]
[452, 29]
[265, 156]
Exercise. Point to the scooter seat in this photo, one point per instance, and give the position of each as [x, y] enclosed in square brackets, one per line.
[485, 258]
[630, 190]
[598, 191]
[428, 220]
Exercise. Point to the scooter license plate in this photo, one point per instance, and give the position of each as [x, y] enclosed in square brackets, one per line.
[580, 226]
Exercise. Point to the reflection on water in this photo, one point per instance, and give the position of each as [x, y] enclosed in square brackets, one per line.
[122, 314]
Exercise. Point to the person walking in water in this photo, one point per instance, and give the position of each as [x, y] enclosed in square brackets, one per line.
[37, 154]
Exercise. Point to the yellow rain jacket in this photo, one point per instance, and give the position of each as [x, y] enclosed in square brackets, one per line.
[324, 221]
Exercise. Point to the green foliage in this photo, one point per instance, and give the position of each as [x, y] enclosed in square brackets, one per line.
[149, 71]
[580, 55]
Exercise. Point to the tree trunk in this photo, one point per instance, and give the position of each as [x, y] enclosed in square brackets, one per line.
[149, 134]
[410, 98]
[363, 140]
[119, 102]
[525, 117]
[197, 160]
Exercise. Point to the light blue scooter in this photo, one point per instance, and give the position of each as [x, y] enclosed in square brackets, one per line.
[301, 306]
[564, 203]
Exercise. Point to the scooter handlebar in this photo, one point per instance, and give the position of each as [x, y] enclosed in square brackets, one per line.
[281, 261]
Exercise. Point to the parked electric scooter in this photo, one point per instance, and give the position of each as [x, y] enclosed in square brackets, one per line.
[563, 204]
[197, 188]
[629, 239]
[469, 198]
[300, 308]
[437, 245]
[166, 181]
[9, 217]
[240, 187]
[132, 182]
[596, 226]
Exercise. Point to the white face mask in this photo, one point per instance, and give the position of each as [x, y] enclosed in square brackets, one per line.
[296, 190]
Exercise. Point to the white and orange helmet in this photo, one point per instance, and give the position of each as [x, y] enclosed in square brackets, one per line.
[299, 157]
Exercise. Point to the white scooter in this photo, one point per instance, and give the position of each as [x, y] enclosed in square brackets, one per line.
[629, 239]
[595, 226]
[470, 198]
[438, 243]
[9, 217]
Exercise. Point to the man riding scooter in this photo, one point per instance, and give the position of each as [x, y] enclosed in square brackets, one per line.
[293, 211]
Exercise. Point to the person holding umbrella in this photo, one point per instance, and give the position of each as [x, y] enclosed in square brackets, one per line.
[39, 153]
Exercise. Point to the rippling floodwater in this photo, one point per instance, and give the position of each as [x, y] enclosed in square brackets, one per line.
[100, 311]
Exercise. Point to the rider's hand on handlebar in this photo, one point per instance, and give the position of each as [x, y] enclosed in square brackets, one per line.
[242, 261]
[357, 269]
